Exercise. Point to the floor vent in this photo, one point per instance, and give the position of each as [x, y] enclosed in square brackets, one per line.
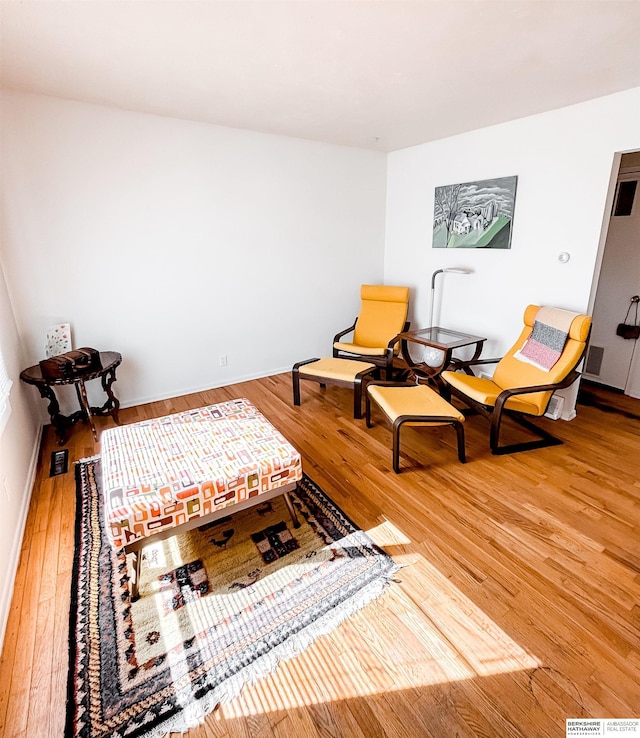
[594, 360]
[59, 462]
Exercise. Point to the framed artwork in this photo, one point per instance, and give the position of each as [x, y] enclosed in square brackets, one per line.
[474, 215]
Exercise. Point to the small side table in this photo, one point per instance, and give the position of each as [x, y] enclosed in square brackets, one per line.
[444, 339]
[110, 360]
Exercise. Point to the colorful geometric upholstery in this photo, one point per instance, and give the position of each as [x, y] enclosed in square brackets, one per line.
[158, 474]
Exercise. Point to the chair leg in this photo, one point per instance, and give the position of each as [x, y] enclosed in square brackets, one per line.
[360, 382]
[367, 412]
[295, 381]
[543, 439]
[357, 398]
[295, 378]
[396, 447]
[462, 456]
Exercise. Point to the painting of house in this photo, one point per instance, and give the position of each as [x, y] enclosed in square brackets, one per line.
[476, 215]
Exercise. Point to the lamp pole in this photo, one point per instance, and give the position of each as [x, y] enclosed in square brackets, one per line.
[452, 270]
[433, 356]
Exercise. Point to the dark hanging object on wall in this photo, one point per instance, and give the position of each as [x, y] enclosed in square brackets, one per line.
[630, 330]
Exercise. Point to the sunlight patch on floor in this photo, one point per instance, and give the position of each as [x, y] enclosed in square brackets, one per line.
[423, 631]
[387, 534]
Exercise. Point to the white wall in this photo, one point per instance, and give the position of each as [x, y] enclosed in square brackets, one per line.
[18, 456]
[172, 242]
[175, 242]
[563, 160]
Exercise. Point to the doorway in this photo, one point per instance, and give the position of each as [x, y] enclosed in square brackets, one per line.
[612, 360]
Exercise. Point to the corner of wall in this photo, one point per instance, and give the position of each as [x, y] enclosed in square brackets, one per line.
[11, 566]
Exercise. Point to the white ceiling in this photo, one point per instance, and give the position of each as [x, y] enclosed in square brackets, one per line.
[374, 74]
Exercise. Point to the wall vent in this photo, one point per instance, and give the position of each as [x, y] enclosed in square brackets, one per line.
[594, 360]
[555, 407]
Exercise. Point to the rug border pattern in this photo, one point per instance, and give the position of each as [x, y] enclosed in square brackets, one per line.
[165, 713]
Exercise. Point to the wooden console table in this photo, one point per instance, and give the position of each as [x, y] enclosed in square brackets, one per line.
[110, 360]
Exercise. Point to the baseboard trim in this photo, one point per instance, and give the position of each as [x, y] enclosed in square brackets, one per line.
[12, 566]
[230, 381]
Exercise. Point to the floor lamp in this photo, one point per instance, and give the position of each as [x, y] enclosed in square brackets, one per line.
[433, 356]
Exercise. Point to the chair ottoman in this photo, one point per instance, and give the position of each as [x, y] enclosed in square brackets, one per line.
[415, 405]
[330, 371]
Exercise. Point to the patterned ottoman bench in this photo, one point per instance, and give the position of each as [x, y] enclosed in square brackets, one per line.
[168, 475]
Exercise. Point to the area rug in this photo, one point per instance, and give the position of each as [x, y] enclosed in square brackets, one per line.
[218, 607]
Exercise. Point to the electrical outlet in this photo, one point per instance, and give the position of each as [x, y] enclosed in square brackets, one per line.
[223, 359]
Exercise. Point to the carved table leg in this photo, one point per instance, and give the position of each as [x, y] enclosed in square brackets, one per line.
[84, 403]
[112, 405]
[58, 421]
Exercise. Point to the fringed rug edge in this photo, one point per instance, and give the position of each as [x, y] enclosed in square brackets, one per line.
[197, 712]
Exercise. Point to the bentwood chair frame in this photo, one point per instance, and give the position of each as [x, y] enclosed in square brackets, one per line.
[455, 384]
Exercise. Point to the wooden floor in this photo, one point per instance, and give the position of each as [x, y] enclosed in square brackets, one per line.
[518, 605]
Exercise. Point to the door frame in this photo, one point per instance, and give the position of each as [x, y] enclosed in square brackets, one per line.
[617, 171]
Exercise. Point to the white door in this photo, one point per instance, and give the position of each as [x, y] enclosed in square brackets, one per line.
[611, 359]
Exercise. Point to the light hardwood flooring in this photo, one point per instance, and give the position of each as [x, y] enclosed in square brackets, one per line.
[518, 604]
